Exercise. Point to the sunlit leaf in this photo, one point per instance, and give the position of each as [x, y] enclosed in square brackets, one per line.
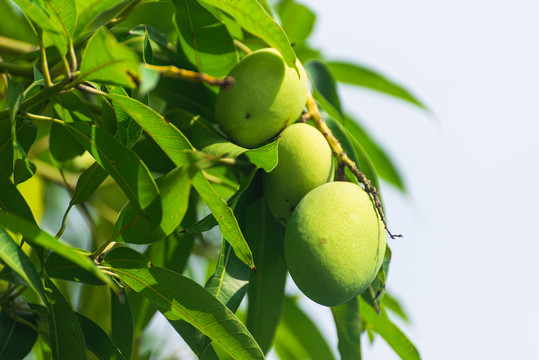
[108, 61]
[88, 182]
[395, 338]
[14, 257]
[297, 20]
[252, 16]
[11, 199]
[36, 236]
[89, 9]
[204, 39]
[361, 76]
[178, 297]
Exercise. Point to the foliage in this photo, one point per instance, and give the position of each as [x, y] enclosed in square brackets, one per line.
[109, 104]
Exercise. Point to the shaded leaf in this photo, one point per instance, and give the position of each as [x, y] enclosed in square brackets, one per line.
[395, 338]
[18, 261]
[253, 18]
[89, 9]
[97, 340]
[297, 20]
[324, 82]
[107, 61]
[298, 336]
[67, 339]
[361, 76]
[174, 188]
[128, 130]
[266, 288]
[58, 267]
[122, 326]
[383, 164]
[377, 289]
[16, 338]
[205, 41]
[25, 134]
[125, 167]
[36, 236]
[63, 147]
[178, 297]
[348, 324]
[88, 182]
[11, 199]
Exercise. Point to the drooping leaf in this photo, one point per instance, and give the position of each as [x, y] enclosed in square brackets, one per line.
[377, 289]
[97, 340]
[129, 172]
[63, 147]
[174, 194]
[121, 323]
[128, 130]
[25, 134]
[35, 12]
[395, 338]
[266, 288]
[15, 25]
[361, 76]
[64, 12]
[348, 324]
[324, 82]
[89, 9]
[299, 337]
[383, 164]
[253, 18]
[108, 61]
[39, 237]
[18, 261]
[16, 338]
[88, 182]
[178, 297]
[205, 40]
[393, 305]
[67, 339]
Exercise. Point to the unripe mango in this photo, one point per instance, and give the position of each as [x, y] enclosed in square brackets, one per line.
[266, 97]
[334, 243]
[305, 162]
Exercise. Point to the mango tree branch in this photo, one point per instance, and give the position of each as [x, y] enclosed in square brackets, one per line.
[314, 114]
[193, 76]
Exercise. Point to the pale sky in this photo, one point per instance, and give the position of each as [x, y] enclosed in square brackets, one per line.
[466, 270]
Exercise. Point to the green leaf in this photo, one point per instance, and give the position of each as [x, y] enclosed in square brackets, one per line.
[63, 147]
[297, 20]
[205, 138]
[64, 12]
[266, 288]
[174, 197]
[225, 218]
[97, 340]
[324, 82]
[128, 130]
[377, 289]
[297, 334]
[58, 267]
[18, 261]
[348, 324]
[395, 338]
[253, 18]
[361, 76]
[122, 326]
[178, 297]
[35, 12]
[25, 134]
[67, 339]
[16, 338]
[11, 199]
[88, 182]
[147, 53]
[125, 167]
[383, 164]
[204, 40]
[107, 61]
[14, 25]
[36, 236]
[89, 9]
[393, 305]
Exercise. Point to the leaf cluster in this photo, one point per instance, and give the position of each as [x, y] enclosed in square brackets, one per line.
[110, 105]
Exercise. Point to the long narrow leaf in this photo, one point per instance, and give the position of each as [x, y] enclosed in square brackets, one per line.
[37, 236]
[97, 340]
[348, 324]
[178, 297]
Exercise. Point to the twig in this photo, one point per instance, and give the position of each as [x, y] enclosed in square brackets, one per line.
[44, 64]
[242, 47]
[177, 73]
[342, 158]
[15, 47]
[18, 70]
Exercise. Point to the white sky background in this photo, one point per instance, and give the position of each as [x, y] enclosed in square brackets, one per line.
[467, 268]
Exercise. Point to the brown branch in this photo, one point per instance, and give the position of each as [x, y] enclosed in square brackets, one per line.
[193, 76]
[314, 114]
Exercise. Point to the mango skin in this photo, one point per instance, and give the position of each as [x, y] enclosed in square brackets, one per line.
[305, 162]
[266, 97]
[334, 243]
